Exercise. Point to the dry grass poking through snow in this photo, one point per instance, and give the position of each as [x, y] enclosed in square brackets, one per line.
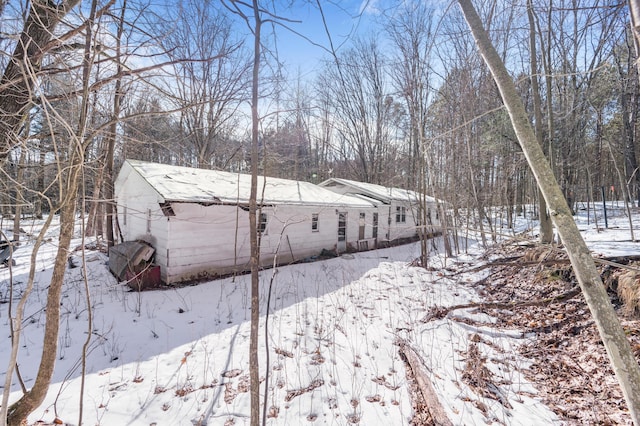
[628, 288]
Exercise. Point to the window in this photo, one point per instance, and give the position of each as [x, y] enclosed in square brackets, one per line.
[342, 227]
[401, 214]
[314, 222]
[262, 225]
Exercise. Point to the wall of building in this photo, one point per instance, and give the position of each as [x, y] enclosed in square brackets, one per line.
[214, 240]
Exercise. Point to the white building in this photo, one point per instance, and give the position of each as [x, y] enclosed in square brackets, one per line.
[198, 220]
[399, 210]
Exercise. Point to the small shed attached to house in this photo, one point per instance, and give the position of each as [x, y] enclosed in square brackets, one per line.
[400, 212]
[198, 220]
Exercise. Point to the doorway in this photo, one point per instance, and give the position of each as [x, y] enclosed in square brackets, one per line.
[342, 232]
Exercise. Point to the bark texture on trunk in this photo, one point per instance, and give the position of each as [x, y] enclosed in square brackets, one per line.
[19, 411]
[17, 82]
[254, 368]
[546, 228]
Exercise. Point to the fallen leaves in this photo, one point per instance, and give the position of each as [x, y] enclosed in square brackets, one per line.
[297, 392]
[477, 376]
[382, 380]
[569, 367]
[283, 352]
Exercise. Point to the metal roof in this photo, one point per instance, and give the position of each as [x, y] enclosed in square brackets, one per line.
[186, 184]
[378, 192]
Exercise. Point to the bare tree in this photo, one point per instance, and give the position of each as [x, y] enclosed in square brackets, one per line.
[622, 359]
[626, 60]
[410, 29]
[546, 229]
[150, 133]
[634, 13]
[578, 43]
[412, 34]
[251, 14]
[111, 136]
[211, 83]
[366, 114]
[288, 151]
[253, 223]
[70, 177]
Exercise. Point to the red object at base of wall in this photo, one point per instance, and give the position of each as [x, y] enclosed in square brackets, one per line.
[148, 278]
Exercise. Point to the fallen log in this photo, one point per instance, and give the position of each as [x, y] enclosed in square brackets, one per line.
[432, 403]
[438, 312]
[518, 261]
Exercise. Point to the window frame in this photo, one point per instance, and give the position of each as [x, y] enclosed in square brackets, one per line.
[263, 220]
[342, 226]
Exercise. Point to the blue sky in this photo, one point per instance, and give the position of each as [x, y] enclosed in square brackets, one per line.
[344, 20]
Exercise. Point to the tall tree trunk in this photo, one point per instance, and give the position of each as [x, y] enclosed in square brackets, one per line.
[254, 368]
[20, 200]
[19, 410]
[17, 83]
[629, 103]
[16, 320]
[93, 227]
[622, 359]
[69, 177]
[545, 54]
[546, 228]
[111, 140]
[40, 179]
[634, 14]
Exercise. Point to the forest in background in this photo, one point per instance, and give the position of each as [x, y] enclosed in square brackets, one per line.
[408, 102]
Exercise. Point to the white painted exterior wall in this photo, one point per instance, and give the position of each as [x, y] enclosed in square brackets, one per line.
[139, 215]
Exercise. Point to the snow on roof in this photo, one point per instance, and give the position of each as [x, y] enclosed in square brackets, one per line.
[366, 198]
[186, 184]
[378, 191]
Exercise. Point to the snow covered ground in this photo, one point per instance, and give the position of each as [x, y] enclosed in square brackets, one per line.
[181, 356]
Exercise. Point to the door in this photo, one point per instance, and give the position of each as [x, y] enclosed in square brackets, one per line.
[375, 226]
[342, 232]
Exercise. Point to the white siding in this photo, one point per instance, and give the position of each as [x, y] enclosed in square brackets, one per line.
[406, 229]
[144, 218]
[390, 230]
[203, 240]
